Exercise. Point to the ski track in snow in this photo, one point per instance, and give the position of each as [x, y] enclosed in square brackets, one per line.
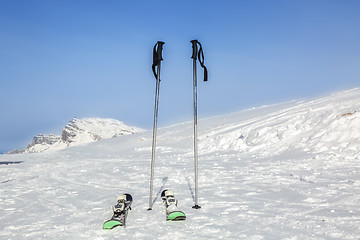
[287, 171]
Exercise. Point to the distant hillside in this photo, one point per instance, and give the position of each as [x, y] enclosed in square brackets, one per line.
[77, 132]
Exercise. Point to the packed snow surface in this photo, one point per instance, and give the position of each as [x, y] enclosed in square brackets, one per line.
[285, 171]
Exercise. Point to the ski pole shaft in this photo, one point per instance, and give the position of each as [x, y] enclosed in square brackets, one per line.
[157, 58]
[194, 57]
[195, 133]
[154, 137]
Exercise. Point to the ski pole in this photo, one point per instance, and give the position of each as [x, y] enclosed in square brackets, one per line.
[157, 58]
[197, 53]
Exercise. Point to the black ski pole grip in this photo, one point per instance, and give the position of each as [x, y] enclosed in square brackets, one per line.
[159, 50]
[157, 56]
[194, 48]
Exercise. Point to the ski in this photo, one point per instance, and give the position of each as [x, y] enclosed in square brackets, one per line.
[172, 211]
[120, 212]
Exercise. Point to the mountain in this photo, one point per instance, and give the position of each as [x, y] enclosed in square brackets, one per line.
[285, 171]
[77, 132]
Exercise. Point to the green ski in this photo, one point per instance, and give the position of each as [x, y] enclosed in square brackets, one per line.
[120, 212]
[172, 211]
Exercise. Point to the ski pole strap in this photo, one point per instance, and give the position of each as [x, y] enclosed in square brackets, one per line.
[199, 54]
[201, 61]
[157, 56]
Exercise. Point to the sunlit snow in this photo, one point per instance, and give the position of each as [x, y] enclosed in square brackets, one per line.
[285, 171]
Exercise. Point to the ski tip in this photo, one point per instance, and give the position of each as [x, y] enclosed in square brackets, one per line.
[149, 209]
[196, 206]
[128, 197]
[163, 193]
[166, 193]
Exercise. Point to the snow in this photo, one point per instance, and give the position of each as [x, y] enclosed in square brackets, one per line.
[285, 171]
[78, 132]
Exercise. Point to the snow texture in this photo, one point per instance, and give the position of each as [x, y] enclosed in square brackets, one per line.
[286, 171]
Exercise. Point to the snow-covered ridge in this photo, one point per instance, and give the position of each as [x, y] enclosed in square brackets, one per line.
[330, 124]
[77, 132]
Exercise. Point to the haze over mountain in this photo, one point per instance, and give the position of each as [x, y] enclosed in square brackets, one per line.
[77, 132]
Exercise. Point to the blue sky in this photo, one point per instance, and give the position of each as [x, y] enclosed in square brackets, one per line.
[65, 59]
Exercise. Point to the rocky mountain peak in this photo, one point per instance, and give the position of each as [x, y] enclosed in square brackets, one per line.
[77, 132]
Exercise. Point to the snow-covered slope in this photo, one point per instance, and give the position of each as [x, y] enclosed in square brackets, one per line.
[329, 124]
[77, 132]
[286, 171]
